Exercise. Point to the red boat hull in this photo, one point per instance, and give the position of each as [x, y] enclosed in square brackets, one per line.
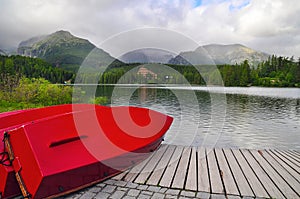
[14, 119]
[66, 152]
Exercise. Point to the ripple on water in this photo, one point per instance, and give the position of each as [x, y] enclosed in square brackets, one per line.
[254, 117]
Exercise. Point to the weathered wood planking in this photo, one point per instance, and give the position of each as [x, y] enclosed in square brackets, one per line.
[286, 160]
[263, 176]
[150, 167]
[280, 169]
[284, 188]
[161, 166]
[285, 166]
[294, 158]
[121, 175]
[214, 173]
[257, 187]
[180, 174]
[203, 176]
[135, 171]
[242, 183]
[167, 177]
[227, 173]
[290, 159]
[294, 154]
[191, 181]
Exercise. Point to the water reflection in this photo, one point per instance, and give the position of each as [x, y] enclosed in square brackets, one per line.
[250, 121]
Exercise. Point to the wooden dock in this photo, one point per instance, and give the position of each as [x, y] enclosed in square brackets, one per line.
[229, 172]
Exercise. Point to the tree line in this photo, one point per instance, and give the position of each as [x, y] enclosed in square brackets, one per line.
[17, 66]
[276, 72]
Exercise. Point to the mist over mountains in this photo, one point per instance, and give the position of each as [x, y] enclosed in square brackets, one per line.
[220, 54]
[147, 55]
[62, 49]
[203, 55]
[2, 52]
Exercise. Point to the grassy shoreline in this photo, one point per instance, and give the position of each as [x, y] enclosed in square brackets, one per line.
[35, 93]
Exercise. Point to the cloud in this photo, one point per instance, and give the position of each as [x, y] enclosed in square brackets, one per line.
[268, 25]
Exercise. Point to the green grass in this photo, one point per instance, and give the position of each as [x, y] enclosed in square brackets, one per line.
[12, 106]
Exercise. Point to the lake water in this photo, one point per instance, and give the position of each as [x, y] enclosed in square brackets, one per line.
[254, 117]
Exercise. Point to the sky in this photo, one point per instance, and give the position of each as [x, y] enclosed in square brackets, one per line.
[271, 26]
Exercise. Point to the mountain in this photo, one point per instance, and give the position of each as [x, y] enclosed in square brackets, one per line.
[62, 49]
[220, 54]
[2, 52]
[147, 55]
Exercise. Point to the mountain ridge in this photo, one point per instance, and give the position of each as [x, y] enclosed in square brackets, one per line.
[67, 51]
[62, 49]
[220, 54]
[2, 52]
[147, 55]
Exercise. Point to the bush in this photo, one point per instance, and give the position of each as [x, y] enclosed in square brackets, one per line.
[41, 91]
[38, 92]
[98, 100]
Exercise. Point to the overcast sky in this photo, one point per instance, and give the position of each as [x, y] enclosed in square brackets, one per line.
[272, 26]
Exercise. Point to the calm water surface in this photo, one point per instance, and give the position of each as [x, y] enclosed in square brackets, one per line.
[220, 117]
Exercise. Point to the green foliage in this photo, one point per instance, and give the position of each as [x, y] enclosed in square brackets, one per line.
[98, 100]
[276, 71]
[172, 74]
[236, 75]
[31, 68]
[40, 92]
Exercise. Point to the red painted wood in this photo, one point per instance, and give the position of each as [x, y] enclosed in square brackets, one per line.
[67, 150]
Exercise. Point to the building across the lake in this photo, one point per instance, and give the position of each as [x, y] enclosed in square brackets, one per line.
[146, 73]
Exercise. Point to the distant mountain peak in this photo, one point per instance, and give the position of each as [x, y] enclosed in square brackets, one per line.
[62, 32]
[147, 55]
[220, 54]
[221, 45]
[62, 49]
[2, 52]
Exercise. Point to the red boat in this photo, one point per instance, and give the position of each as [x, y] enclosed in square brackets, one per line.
[10, 120]
[69, 150]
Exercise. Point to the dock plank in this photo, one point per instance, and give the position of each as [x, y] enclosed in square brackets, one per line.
[191, 182]
[242, 183]
[134, 172]
[221, 172]
[257, 187]
[150, 166]
[294, 153]
[226, 175]
[121, 175]
[284, 188]
[161, 166]
[214, 173]
[292, 160]
[203, 176]
[282, 172]
[285, 166]
[263, 177]
[181, 172]
[167, 178]
[295, 158]
[286, 160]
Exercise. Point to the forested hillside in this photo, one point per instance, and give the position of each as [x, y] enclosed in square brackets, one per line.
[32, 68]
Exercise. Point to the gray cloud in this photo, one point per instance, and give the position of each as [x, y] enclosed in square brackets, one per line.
[270, 26]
